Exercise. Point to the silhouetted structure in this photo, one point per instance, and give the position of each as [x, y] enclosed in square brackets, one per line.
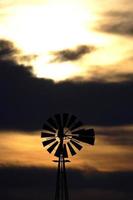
[64, 134]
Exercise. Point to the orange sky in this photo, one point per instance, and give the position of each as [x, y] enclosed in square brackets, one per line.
[22, 149]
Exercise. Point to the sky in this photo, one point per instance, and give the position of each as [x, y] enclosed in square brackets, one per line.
[71, 56]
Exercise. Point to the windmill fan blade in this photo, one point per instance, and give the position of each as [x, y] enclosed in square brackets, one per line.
[51, 148]
[77, 125]
[45, 143]
[71, 149]
[58, 151]
[86, 136]
[43, 135]
[91, 132]
[88, 140]
[65, 151]
[65, 119]
[84, 132]
[48, 128]
[78, 131]
[78, 146]
[71, 121]
[88, 132]
[58, 120]
[52, 123]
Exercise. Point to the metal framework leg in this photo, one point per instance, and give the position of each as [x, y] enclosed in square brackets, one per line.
[61, 192]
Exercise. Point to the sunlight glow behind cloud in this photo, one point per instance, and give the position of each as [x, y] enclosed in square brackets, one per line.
[39, 27]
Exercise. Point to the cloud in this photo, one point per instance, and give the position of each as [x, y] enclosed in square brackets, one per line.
[28, 58]
[72, 55]
[7, 4]
[122, 135]
[26, 101]
[117, 22]
[101, 74]
[7, 50]
[37, 183]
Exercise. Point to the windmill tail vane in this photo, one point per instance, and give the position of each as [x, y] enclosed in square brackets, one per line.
[63, 135]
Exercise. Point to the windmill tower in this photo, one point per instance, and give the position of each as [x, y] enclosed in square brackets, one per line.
[63, 134]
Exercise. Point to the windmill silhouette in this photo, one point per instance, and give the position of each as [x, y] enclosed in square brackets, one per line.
[63, 134]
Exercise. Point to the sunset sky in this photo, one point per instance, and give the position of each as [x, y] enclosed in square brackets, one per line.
[70, 56]
[52, 30]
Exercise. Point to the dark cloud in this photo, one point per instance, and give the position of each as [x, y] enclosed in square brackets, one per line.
[28, 58]
[7, 50]
[72, 55]
[26, 101]
[117, 22]
[100, 75]
[116, 135]
[37, 183]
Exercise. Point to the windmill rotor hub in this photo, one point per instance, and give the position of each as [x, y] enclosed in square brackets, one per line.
[64, 134]
[60, 133]
[67, 134]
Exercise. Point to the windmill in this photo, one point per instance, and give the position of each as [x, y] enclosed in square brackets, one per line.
[63, 135]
